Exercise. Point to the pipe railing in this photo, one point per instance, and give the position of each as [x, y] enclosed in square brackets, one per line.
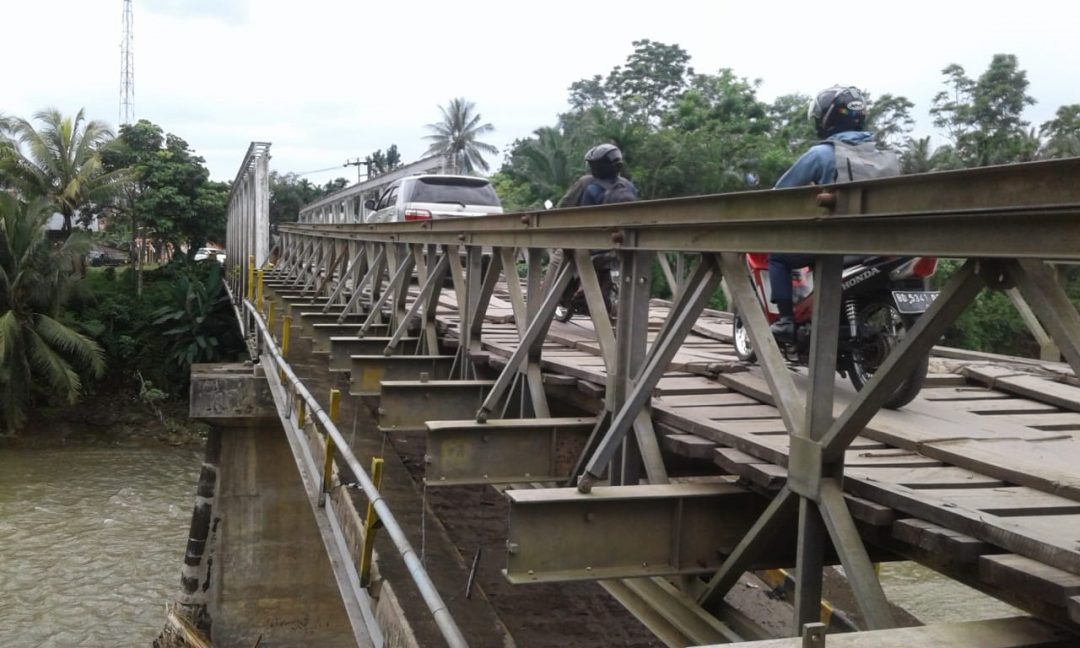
[440, 613]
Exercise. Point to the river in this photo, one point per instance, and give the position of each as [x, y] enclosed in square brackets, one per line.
[91, 542]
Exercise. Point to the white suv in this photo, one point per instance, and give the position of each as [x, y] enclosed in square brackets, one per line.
[428, 197]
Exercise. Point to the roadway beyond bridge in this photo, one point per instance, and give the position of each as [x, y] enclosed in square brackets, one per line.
[465, 471]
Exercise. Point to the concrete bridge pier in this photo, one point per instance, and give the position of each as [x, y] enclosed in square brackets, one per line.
[269, 580]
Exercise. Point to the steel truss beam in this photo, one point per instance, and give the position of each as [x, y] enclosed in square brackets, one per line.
[1012, 211]
[408, 405]
[367, 371]
[342, 348]
[624, 531]
[503, 451]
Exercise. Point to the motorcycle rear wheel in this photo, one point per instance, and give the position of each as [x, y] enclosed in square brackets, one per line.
[889, 328]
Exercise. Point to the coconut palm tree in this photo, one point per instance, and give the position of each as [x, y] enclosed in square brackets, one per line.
[36, 350]
[60, 160]
[456, 137]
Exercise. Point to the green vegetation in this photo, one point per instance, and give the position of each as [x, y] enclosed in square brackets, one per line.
[688, 133]
[67, 331]
[456, 137]
[39, 354]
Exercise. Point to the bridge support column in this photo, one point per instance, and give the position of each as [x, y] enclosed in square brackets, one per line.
[270, 576]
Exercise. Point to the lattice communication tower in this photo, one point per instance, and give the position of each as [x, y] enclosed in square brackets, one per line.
[127, 69]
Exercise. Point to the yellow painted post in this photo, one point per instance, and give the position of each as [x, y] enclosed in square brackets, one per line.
[328, 465]
[370, 520]
[251, 278]
[259, 290]
[286, 327]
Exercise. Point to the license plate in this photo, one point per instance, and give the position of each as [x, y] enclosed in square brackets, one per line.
[914, 301]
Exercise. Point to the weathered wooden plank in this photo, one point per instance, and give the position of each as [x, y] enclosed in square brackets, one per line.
[960, 393]
[941, 433]
[688, 385]
[941, 541]
[1055, 421]
[1041, 389]
[709, 400]
[1007, 500]
[926, 477]
[1004, 406]
[689, 445]
[1034, 537]
[1029, 577]
[734, 412]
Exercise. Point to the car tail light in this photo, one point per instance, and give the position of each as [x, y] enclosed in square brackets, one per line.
[417, 215]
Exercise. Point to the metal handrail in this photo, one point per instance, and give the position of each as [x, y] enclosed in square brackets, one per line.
[441, 614]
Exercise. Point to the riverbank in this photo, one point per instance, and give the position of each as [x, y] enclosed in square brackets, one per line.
[113, 416]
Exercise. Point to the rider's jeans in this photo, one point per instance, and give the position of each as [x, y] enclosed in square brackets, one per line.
[780, 268]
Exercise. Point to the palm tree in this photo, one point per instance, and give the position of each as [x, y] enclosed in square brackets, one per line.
[549, 162]
[456, 137]
[35, 348]
[61, 160]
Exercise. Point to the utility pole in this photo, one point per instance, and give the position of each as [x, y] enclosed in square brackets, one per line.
[356, 163]
[127, 68]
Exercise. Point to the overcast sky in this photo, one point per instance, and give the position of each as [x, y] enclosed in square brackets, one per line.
[327, 80]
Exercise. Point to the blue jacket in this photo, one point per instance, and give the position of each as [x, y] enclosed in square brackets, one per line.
[818, 165]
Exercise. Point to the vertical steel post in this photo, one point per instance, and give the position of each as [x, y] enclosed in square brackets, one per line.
[370, 520]
[328, 464]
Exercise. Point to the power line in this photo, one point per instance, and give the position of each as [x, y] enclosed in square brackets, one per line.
[318, 170]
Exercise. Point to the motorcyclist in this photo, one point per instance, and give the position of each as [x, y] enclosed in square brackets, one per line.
[604, 184]
[846, 153]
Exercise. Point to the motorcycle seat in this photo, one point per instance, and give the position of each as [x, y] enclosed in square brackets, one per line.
[856, 259]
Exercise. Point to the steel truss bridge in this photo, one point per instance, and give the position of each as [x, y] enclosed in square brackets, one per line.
[444, 330]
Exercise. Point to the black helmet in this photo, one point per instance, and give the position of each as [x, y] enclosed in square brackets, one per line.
[604, 160]
[838, 109]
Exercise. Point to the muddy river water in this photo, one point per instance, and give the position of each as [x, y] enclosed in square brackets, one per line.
[91, 542]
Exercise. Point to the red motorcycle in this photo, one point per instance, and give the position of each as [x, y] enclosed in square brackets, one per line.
[881, 299]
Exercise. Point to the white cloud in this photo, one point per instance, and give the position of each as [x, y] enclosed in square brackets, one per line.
[327, 80]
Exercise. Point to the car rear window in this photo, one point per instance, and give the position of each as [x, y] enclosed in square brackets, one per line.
[454, 190]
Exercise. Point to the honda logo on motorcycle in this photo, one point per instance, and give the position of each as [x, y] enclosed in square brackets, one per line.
[859, 278]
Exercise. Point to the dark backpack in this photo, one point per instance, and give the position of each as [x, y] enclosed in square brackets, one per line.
[617, 190]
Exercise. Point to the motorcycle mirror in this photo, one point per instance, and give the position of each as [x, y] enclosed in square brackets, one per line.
[548, 204]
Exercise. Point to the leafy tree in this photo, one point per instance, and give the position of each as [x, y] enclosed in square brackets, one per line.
[59, 159]
[337, 184]
[587, 93]
[457, 137]
[650, 81]
[39, 355]
[890, 119]
[288, 193]
[379, 163]
[1062, 133]
[984, 117]
[168, 197]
